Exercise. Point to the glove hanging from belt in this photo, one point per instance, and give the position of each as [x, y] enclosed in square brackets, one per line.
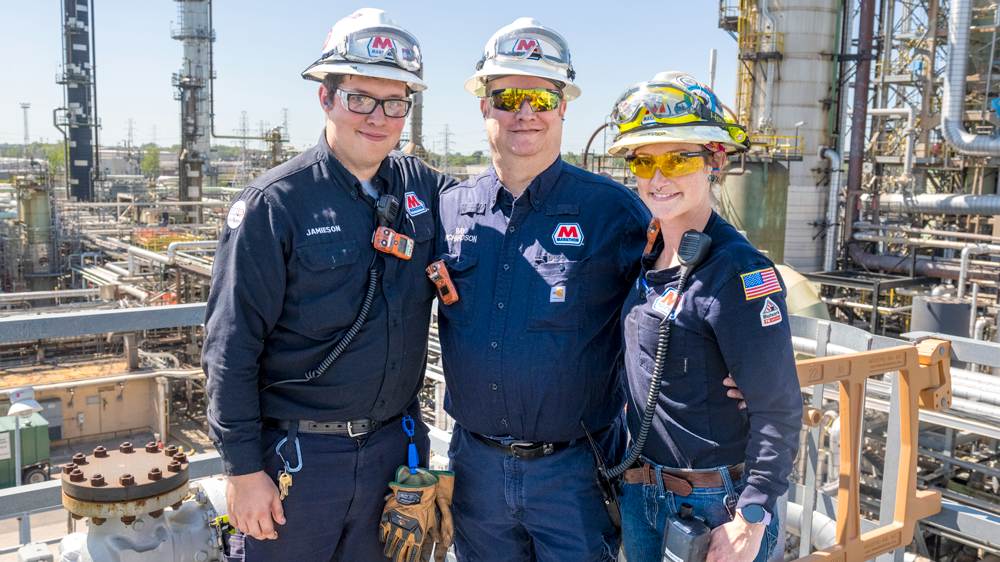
[441, 534]
[409, 514]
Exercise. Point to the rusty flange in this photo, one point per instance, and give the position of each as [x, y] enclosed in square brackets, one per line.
[119, 509]
[126, 475]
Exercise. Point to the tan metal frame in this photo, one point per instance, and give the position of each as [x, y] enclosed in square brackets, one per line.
[924, 382]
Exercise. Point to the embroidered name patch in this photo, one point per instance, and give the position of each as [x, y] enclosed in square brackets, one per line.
[759, 283]
[236, 214]
[414, 206]
[667, 303]
[770, 314]
[568, 234]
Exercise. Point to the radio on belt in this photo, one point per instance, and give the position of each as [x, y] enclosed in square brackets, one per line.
[438, 274]
[391, 242]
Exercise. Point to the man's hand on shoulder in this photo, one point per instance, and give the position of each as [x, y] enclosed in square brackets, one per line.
[252, 503]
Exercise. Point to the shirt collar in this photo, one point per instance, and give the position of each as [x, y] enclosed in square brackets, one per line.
[536, 191]
[347, 180]
[649, 260]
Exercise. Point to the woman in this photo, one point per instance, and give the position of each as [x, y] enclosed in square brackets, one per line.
[730, 464]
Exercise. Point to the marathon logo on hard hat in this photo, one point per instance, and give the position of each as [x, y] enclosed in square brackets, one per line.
[383, 47]
[414, 206]
[526, 45]
[568, 234]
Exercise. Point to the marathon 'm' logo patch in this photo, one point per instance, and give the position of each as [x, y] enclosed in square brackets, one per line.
[405, 497]
[568, 234]
[667, 303]
[414, 206]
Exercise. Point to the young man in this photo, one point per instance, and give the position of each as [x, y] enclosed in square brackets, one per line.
[315, 341]
[542, 255]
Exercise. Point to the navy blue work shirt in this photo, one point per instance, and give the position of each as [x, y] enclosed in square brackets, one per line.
[533, 345]
[290, 274]
[731, 319]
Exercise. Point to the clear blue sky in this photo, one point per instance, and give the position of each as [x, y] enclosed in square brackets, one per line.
[262, 48]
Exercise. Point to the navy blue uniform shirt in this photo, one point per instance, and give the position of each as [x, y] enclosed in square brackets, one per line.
[730, 319]
[533, 345]
[290, 274]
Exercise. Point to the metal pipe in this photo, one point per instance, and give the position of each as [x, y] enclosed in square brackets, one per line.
[973, 312]
[40, 295]
[836, 173]
[711, 69]
[769, 27]
[911, 133]
[926, 231]
[824, 534]
[939, 204]
[964, 268]
[953, 103]
[862, 79]
[586, 150]
[181, 373]
[863, 306]
[945, 244]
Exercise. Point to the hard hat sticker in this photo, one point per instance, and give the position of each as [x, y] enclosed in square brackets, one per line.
[770, 314]
[414, 206]
[236, 214]
[557, 294]
[667, 303]
[568, 234]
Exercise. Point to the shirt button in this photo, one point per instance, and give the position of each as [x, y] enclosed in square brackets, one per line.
[503, 422]
[536, 202]
[354, 193]
[500, 305]
[494, 386]
[562, 268]
[512, 229]
[493, 345]
[506, 267]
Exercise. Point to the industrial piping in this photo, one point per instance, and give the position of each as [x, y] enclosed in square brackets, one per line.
[911, 133]
[939, 204]
[836, 173]
[953, 104]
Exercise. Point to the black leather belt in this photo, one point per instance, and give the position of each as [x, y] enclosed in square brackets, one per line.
[354, 428]
[526, 451]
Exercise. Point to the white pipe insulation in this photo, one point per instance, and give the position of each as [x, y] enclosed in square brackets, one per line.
[953, 103]
[836, 175]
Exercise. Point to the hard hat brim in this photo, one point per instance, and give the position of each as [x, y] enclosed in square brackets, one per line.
[696, 135]
[318, 71]
[476, 84]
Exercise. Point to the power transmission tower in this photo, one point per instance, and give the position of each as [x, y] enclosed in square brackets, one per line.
[25, 107]
[447, 135]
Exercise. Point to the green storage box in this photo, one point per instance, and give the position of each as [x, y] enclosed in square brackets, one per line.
[34, 445]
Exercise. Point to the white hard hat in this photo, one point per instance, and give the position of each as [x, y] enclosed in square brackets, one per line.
[525, 48]
[369, 43]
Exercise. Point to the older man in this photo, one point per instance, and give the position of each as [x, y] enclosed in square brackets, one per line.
[315, 340]
[542, 255]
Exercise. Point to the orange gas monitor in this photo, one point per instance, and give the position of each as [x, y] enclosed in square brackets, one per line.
[924, 382]
[391, 242]
[438, 274]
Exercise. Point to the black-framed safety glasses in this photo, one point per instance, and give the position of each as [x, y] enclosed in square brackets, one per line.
[365, 105]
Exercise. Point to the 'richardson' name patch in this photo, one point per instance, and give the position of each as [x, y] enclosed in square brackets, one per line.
[414, 206]
[759, 283]
[568, 234]
[770, 314]
[408, 498]
[461, 235]
[323, 229]
[236, 214]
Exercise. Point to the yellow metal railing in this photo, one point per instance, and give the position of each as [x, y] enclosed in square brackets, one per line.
[762, 43]
[157, 239]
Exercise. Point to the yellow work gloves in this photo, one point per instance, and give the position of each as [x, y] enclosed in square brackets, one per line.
[418, 508]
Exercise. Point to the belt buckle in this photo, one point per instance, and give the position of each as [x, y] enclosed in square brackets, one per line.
[522, 446]
[350, 430]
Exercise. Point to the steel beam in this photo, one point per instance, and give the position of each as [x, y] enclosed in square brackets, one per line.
[68, 324]
[965, 349]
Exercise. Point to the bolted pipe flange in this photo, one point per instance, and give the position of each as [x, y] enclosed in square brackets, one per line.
[68, 468]
[100, 452]
[154, 474]
[170, 451]
[76, 475]
[152, 448]
[180, 457]
[79, 459]
[97, 521]
[174, 466]
[97, 480]
[75, 516]
[128, 520]
[126, 480]
[177, 505]
[125, 447]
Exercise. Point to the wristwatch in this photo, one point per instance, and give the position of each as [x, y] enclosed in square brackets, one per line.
[754, 514]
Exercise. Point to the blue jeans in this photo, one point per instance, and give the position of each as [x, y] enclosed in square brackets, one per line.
[546, 510]
[645, 508]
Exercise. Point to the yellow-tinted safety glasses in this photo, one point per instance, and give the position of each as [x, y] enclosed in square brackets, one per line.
[671, 164]
[511, 99]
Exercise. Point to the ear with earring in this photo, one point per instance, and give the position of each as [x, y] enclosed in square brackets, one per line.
[713, 177]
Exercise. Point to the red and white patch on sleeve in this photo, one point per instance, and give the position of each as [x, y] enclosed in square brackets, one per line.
[770, 314]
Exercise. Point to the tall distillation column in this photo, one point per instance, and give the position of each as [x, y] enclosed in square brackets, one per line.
[78, 79]
[197, 35]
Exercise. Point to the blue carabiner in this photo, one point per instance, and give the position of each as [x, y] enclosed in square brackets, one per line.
[298, 450]
[409, 426]
[412, 460]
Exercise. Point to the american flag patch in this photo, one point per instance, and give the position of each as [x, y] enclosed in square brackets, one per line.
[759, 283]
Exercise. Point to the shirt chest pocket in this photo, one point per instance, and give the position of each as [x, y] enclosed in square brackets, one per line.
[685, 349]
[462, 270]
[558, 299]
[330, 286]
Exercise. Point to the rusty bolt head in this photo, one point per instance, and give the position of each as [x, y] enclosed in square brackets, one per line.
[79, 458]
[97, 520]
[76, 517]
[170, 451]
[125, 447]
[76, 475]
[180, 457]
[154, 474]
[177, 505]
[152, 448]
[126, 480]
[100, 452]
[128, 519]
[156, 514]
[97, 480]
[174, 466]
[68, 468]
